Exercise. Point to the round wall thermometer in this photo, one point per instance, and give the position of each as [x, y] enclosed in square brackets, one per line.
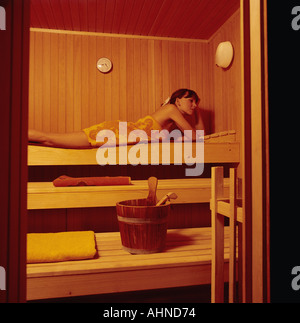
[104, 65]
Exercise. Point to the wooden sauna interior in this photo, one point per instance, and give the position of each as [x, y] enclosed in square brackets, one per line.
[156, 47]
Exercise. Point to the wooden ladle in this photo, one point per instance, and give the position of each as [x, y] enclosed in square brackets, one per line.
[167, 197]
[152, 183]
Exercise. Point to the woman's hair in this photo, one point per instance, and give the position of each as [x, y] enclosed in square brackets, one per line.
[182, 93]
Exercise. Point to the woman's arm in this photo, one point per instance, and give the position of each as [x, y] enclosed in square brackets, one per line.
[177, 117]
[199, 120]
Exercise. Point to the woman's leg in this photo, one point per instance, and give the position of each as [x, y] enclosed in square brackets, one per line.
[63, 140]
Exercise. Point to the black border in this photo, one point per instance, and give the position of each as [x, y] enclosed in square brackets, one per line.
[284, 101]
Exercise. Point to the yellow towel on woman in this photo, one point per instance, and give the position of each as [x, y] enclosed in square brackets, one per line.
[146, 124]
[61, 246]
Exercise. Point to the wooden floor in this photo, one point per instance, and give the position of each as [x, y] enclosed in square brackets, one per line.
[186, 261]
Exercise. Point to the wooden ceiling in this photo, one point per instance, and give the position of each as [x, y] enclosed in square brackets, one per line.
[198, 19]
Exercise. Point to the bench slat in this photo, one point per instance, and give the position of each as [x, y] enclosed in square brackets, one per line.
[216, 152]
[43, 195]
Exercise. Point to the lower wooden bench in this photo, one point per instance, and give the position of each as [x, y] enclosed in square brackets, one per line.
[186, 261]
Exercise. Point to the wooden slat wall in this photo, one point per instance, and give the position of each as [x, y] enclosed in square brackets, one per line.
[105, 219]
[68, 93]
[226, 97]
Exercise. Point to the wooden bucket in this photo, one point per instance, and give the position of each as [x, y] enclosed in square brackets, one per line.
[143, 228]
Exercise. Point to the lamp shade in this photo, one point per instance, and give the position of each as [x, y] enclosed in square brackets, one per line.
[224, 54]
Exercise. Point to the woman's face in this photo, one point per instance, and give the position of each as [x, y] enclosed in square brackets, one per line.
[186, 105]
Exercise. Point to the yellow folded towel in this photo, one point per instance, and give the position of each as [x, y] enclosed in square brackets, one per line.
[61, 246]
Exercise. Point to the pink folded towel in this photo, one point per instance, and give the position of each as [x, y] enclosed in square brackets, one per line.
[64, 180]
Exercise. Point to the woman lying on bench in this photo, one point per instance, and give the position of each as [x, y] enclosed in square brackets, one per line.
[182, 103]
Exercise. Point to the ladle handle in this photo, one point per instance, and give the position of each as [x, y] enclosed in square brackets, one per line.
[167, 197]
[152, 183]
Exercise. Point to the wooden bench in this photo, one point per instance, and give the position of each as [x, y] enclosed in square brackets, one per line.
[44, 195]
[218, 148]
[186, 261]
[231, 208]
